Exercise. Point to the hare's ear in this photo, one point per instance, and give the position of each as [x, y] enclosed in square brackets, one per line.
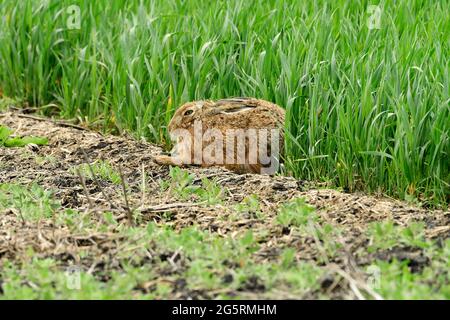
[240, 100]
[234, 105]
[236, 102]
[237, 109]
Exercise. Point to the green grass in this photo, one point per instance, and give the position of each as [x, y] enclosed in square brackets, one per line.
[386, 235]
[205, 253]
[208, 261]
[296, 213]
[250, 205]
[399, 283]
[99, 168]
[43, 279]
[181, 186]
[366, 109]
[29, 202]
[6, 102]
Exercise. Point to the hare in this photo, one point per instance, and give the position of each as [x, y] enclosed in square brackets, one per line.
[241, 134]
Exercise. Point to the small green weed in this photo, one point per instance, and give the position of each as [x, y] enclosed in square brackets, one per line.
[296, 213]
[10, 142]
[385, 235]
[250, 205]
[181, 185]
[101, 169]
[31, 202]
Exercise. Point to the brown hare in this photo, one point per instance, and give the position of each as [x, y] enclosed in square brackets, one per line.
[241, 134]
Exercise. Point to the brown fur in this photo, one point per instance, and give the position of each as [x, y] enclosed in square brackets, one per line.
[234, 113]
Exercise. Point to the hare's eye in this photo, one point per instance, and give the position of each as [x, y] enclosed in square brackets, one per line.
[188, 112]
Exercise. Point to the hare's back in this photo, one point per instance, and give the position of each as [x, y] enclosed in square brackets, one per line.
[245, 113]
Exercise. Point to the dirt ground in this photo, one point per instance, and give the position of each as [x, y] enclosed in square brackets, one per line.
[68, 146]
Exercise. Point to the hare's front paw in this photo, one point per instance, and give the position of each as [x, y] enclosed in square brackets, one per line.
[171, 160]
[164, 160]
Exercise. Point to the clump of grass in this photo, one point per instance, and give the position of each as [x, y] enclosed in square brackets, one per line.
[398, 281]
[99, 168]
[250, 205]
[299, 217]
[210, 192]
[46, 159]
[386, 235]
[296, 213]
[181, 185]
[30, 202]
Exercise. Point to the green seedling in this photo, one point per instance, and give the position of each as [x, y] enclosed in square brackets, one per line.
[7, 141]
